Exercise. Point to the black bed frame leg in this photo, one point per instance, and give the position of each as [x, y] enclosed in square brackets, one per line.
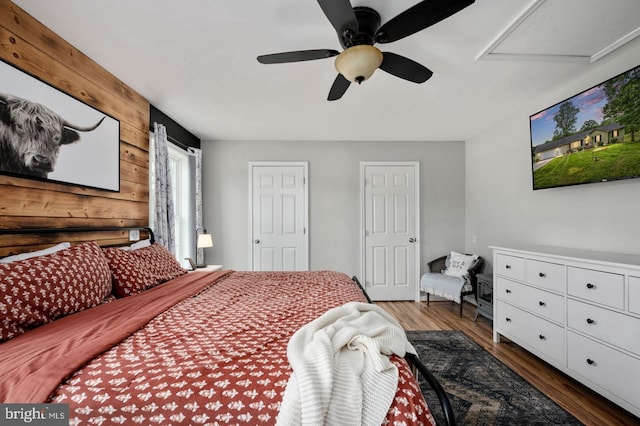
[445, 404]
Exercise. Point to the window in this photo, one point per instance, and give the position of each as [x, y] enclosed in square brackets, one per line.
[179, 170]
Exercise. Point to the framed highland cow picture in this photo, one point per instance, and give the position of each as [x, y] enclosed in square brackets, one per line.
[48, 135]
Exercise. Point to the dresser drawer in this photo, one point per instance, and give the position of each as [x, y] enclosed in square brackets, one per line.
[523, 327]
[540, 302]
[612, 327]
[510, 266]
[634, 295]
[547, 275]
[603, 288]
[604, 366]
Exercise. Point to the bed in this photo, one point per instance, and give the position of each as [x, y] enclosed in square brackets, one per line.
[136, 339]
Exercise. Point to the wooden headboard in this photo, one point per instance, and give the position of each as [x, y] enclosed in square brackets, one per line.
[14, 241]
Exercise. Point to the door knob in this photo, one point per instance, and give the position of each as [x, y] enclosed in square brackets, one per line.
[412, 240]
[257, 241]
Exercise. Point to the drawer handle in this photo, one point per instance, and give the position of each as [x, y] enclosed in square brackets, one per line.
[590, 361]
[541, 303]
[542, 275]
[508, 319]
[508, 266]
[590, 286]
[508, 291]
[541, 337]
[590, 321]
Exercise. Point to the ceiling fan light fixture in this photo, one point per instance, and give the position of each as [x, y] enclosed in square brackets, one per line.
[358, 63]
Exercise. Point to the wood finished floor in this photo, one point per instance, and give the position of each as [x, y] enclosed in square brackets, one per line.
[581, 402]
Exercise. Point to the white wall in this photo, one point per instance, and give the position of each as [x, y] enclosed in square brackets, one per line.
[502, 208]
[334, 176]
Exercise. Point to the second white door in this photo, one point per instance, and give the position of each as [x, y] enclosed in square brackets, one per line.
[390, 212]
[278, 222]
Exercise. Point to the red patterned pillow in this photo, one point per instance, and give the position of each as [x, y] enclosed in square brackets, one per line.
[137, 270]
[38, 290]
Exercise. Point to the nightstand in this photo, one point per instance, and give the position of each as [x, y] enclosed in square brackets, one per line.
[210, 268]
[485, 296]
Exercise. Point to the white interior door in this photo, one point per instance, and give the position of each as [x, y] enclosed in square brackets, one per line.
[391, 222]
[278, 203]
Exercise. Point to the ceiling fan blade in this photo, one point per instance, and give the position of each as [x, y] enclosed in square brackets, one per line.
[340, 14]
[297, 56]
[338, 88]
[404, 68]
[419, 17]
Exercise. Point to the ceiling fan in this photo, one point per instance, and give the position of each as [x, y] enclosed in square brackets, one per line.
[358, 29]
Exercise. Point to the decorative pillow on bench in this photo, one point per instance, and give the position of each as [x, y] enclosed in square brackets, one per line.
[458, 264]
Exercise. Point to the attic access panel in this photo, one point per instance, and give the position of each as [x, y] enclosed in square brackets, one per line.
[582, 30]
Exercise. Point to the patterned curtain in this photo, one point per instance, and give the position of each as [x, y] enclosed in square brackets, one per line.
[197, 155]
[164, 220]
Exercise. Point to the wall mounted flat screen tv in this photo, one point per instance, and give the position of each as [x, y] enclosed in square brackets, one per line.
[593, 136]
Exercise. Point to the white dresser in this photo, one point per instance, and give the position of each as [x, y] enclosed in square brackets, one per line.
[577, 310]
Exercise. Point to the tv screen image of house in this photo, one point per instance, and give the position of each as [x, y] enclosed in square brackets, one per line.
[593, 136]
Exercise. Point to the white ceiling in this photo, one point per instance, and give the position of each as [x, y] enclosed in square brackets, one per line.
[196, 61]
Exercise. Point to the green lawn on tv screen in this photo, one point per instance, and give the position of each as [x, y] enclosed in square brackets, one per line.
[615, 161]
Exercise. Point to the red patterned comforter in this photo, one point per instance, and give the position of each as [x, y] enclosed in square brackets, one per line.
[216, 358]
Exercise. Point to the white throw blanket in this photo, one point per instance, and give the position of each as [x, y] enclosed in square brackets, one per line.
[341, 369]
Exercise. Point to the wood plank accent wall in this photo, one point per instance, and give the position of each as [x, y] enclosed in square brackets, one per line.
[25, 203]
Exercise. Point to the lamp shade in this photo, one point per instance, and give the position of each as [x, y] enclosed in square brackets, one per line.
[204, 241]
[358, 63]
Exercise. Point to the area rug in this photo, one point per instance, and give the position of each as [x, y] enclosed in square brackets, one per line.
[482, 390]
